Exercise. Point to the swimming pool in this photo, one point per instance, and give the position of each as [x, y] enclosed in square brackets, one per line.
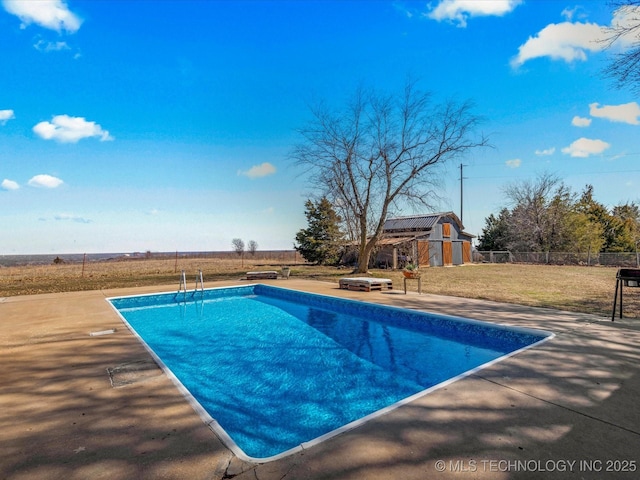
[273, 370]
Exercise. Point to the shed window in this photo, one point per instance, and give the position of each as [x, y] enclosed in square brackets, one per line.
[446, 229]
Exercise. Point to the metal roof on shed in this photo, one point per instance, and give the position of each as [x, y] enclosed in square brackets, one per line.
[417, 222]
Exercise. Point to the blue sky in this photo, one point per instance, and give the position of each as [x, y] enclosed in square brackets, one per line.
[166, 125]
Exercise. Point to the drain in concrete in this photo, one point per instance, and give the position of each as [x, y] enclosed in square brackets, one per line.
[133, 372]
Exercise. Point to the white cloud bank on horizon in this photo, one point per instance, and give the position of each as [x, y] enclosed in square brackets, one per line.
[6, 115]
[45, 181]
[584, 147]
[625, 113]
[51, 14]
[458, 11]
[9, 185]
[580, 121]
[258, 171]
[72, 218]
[545, 152]
[66, 129]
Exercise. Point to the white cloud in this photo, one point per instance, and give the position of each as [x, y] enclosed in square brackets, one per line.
[46, 181]
[46, 46]
[9, 184]
[458, 11]
[546, 152]
[66, 129]
[515, 163]
[584, 147]
[71, 218]
[51, 14]
[576, 12]
[5, 116]
[625, 113]
[258, 171]
[402, 9]
[570, 41]
[562, 41]
[580, 121]
[568, 13]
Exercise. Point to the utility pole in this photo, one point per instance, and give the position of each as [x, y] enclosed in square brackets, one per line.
[461, 191]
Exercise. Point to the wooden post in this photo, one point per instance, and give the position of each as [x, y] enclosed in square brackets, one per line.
[84, 260]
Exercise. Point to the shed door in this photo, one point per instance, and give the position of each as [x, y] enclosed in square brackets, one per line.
[447, 253]
[435, 253]
[457, 253]
[466, 252]
[423, 254]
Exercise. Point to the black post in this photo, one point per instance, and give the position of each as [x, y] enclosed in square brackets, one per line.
[621, 288]
[615, 298]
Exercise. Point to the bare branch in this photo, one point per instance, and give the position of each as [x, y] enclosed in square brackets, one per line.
[624, 34]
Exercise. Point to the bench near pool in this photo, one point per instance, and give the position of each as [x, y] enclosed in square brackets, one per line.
[263, 275]
[365, 284]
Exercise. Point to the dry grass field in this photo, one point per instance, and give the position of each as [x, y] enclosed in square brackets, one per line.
[572, 288]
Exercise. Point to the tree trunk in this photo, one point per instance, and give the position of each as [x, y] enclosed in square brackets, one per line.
[363, 260]
[365, 248]
[364, 255]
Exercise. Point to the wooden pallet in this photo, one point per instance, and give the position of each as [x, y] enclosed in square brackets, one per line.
[265, 275]
[365, 284]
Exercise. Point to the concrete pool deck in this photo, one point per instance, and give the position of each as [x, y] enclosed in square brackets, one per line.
[569, 408]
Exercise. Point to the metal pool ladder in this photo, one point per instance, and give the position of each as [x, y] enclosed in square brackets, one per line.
[183, 285]
[182, 288]
[201, 281]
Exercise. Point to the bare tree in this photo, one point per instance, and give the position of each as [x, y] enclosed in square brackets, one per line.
[537, 222]
[238, 246]
[624, 34]
[252, 247]
[382, 152]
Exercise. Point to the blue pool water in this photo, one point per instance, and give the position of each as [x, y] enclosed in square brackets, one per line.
[277, 368]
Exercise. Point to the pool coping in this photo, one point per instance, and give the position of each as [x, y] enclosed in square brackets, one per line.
[212, 423]
[573, 398]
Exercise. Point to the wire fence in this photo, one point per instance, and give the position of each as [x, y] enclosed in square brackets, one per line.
[622, 259]
[283, 256]
[29, 274]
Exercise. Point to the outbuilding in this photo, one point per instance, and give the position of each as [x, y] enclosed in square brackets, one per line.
[436, 239]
